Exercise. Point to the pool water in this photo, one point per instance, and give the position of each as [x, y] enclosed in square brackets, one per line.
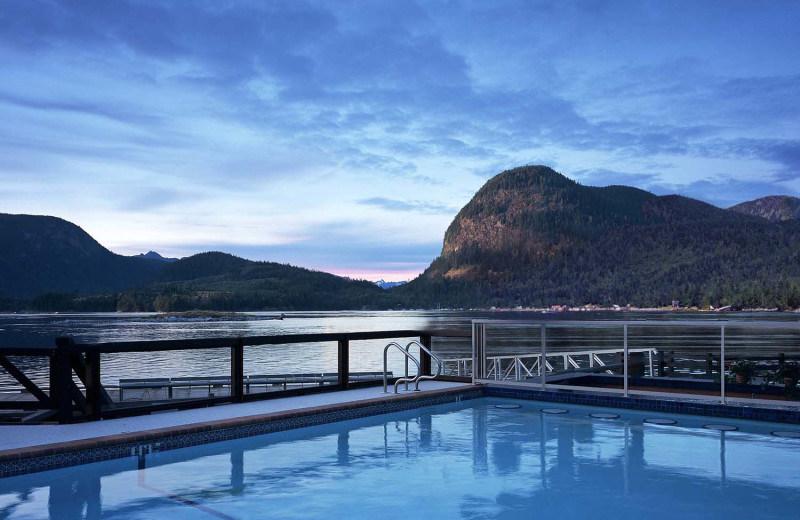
[464, 460]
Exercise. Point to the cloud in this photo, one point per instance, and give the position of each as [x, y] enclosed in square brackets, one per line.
[784, 153]
[360, 160]
[723, 192]
[412, 205]
[277, 112]
[151, 199]
[77, 107]
[230, 42]
[605, 177]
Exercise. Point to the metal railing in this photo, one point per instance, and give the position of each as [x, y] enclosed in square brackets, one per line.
[695, 360]
[458, 367]
[521, 367]
[405, 379]
[74, 390]
[406, 351]
[423, 350]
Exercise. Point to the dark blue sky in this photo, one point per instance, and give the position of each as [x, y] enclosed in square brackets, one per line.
[345, 136]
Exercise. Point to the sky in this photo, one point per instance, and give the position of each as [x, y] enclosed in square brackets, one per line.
[345, 136]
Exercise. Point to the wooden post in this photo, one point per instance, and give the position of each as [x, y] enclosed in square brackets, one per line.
[344, 363]
[53, 391]
[92, 382]
[237, 371]
[61, 384]
[424, 357]
[636, 364]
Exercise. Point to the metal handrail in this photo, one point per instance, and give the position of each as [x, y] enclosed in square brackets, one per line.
[420, 375]
[399, 380]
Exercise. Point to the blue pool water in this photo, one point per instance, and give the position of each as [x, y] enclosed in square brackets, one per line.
[464, 460]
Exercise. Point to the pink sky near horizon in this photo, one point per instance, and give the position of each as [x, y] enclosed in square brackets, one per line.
[374, 276]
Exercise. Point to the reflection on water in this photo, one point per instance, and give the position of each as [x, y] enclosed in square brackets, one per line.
[40, 330]
[456, 461]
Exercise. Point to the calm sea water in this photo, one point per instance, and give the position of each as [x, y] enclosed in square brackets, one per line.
[32, 330]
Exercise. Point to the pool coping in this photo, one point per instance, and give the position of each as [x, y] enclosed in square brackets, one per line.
[687, 406]
[32, 459]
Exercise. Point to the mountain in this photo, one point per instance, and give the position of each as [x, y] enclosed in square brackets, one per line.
[383, 284]
[531, 236]
[775, 208]
[41, 254]
[155, 256]
[220, 281]
[57, 266]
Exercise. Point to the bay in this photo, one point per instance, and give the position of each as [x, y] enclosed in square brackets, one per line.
[38, 330]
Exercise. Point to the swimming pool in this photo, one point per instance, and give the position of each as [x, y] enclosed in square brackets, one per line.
[471, 459]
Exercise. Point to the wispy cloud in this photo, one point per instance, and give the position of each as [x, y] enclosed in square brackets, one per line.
[417, 206]
[606, 177]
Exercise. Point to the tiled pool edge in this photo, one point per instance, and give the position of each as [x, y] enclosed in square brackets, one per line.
[21, 461]
[663, 405]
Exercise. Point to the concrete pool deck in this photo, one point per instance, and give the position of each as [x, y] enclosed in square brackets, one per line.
[21, 437]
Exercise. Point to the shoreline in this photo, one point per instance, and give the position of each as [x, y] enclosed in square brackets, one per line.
[205, 314]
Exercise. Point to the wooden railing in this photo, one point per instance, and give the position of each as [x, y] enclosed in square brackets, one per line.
[65, 401]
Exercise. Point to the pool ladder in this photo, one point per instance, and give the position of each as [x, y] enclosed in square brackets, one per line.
[409, 356]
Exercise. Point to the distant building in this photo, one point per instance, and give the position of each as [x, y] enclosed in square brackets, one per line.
[676, 304]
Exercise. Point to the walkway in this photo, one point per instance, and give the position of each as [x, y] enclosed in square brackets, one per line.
[24, 436]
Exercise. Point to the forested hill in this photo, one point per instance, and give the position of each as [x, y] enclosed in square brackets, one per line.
[533, 237]
[529, 237]
[220, 281]
[41, 254]
[49, 264]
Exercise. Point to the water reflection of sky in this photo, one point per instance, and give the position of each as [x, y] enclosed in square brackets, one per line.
[466, 460]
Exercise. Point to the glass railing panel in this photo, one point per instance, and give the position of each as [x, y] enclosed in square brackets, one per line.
[456, 355]
[588, 357]
[762, 364]
[676, 359]
[513, 353]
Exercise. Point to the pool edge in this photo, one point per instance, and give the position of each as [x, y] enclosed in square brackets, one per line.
[20, 461]
[651, 404]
